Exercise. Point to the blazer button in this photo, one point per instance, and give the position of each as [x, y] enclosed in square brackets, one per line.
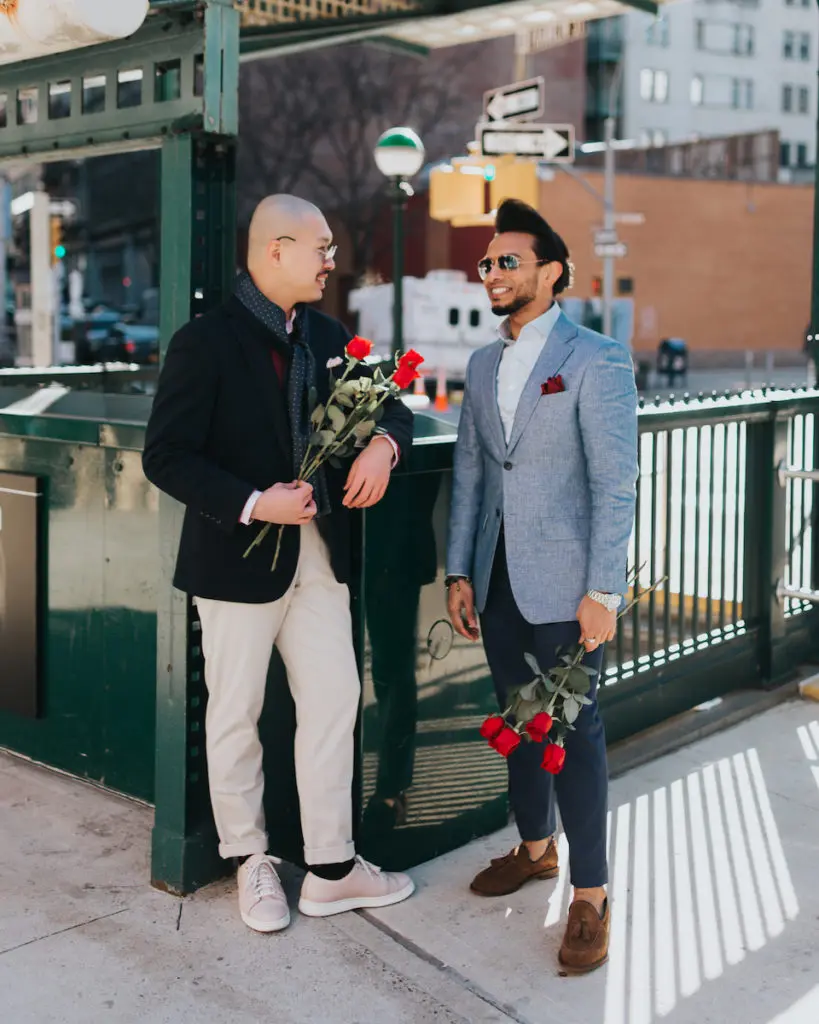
[507, 465]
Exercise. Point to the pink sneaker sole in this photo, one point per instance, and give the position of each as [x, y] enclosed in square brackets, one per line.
[311, 908]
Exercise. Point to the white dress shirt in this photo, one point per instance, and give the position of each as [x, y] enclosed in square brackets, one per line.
[518, 361]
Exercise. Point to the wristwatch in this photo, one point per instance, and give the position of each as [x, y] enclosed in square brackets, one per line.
[611, 602]
[455, 578]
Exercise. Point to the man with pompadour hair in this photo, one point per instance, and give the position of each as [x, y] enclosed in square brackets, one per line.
[542, 511]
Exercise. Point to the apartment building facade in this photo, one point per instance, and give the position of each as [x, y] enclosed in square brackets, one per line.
[710, 68]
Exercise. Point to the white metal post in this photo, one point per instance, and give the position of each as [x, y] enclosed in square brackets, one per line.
[42, 282]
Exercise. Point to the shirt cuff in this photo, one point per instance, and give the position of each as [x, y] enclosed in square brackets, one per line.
[247, 512]
[396, 451]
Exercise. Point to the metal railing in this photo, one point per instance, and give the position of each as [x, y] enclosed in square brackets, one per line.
[726, 518]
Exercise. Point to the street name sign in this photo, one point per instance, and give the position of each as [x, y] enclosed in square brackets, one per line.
[518, 102]
[611, 250]
[553, 143]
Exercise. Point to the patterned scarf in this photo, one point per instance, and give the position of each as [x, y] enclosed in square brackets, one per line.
[301, 380]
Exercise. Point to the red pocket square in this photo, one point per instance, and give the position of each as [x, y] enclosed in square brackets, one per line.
[553, 386]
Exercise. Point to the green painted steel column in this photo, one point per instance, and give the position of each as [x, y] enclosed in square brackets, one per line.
[399, 201]
[198, 265]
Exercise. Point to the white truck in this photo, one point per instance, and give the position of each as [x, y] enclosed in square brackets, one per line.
[446, 318]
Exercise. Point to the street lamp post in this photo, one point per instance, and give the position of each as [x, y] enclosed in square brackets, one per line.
[399, 155]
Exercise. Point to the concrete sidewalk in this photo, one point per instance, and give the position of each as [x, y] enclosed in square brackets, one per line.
[715, 857]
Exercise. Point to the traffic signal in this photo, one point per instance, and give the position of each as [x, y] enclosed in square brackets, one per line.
[597, 287]
[514, 179]
[57, 248]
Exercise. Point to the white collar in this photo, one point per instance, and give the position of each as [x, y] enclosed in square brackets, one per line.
[544, 324]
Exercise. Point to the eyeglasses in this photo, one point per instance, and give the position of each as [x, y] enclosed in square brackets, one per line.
[327, 252]
[506, 262]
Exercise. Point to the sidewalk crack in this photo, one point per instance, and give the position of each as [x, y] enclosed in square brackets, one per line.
[62, 931]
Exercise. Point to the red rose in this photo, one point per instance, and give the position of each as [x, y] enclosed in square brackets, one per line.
[540, 726]
[553, 386]
[506, 741]
[412, 359]
[359, 348]
[492, 726]
[404, 376]
[553, 758]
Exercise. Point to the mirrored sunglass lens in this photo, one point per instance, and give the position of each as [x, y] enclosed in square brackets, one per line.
[483, 268]
[508, 262]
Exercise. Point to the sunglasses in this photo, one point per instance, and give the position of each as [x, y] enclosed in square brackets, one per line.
[505, 262]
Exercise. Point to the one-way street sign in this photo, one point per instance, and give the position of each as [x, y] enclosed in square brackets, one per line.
[550, 142]
[519, 102]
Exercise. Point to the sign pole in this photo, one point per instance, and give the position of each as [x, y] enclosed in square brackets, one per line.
[608, 226]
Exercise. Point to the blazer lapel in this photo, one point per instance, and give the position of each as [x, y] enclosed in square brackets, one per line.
[258, 356]
[554, 354]
[488, 392]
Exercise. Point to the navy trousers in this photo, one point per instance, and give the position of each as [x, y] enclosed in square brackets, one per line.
[581, 788]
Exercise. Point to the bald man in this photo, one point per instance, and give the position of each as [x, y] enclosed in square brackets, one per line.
[227, 435]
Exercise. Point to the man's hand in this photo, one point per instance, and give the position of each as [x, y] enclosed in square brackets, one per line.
[597, 625]
[369, 475]
[286, 504]
[461, 607]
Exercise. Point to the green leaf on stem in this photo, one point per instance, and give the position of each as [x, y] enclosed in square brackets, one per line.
[532, 662]
[335, 462]
[364, 428]
[317, 416]
[571, 709]
[336, 417]
[579, 681]
[322, 438]
[528, 690]
[344, 400]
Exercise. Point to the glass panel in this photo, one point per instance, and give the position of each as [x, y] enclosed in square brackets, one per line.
[129, 88]
[167, 81]
[93, 94]
[4, 109]
[59, 100]
[27, 106]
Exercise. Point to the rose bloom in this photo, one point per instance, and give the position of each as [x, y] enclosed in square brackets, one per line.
[404, 376]
[412, 359]
[540, 726]
[359, 348]
[505, 742]
[554, 757]
[492, 726]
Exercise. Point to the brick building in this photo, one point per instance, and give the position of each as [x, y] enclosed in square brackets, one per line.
[724, 264]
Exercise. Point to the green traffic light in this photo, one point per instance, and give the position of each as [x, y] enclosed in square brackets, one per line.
[60, 252]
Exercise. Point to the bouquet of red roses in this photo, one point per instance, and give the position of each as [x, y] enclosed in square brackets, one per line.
[548, 705]
[350, 415]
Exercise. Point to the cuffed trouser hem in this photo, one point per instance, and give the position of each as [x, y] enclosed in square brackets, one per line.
[329, 854]
[244, 849]
[595, 881]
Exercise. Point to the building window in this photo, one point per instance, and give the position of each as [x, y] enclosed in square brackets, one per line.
[657, 31]
[787, 99]
[788, 45]
[697, 91]
[653, 86]
[742, 94]
[653, 137]
[804, 100]
[801, 155]
[744, 40]
[784, 154]
[474, 318]
[454, 317]
[804, 45]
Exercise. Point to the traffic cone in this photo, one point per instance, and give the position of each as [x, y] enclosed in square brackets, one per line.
[441, 397]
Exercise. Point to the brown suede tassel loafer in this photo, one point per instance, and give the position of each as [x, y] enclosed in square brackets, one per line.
[507, 874]
[586, 942]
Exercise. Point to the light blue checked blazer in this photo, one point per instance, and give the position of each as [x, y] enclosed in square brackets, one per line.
[563, 487]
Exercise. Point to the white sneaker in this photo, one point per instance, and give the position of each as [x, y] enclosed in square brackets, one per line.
[365, 886]
[262, 902]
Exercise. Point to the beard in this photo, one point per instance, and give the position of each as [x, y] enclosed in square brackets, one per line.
[514, 305]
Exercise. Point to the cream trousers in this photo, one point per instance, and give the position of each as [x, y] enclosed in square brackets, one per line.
[312, 629]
